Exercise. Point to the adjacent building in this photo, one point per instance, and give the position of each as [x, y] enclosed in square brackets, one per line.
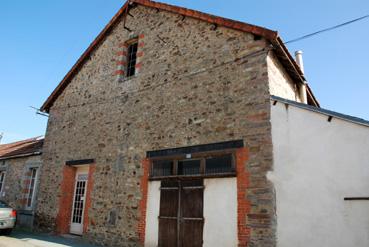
[20, 164]
[320, 175]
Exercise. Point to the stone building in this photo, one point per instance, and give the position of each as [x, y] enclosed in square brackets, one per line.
[20, 163]
[161, 132]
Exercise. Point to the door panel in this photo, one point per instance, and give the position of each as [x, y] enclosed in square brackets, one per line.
[191, 233]
[192, 222]
[192, 202]
[181, 213]
[169, 202]
[168, 232]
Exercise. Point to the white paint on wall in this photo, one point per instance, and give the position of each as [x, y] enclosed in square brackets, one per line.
[280, 83]
[152, 214]
[316, 165]
[220, 212]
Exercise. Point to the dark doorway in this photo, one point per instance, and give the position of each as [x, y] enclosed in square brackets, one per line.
[181, 219]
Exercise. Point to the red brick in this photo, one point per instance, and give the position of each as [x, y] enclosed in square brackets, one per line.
[121, 53]
[244, 206]
[121, 63]
[119, 72]
[66, 200]
[138, 66]
[142, 205]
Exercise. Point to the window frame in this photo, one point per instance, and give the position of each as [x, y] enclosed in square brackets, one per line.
[2, 181]
[202, 156]
[32, 198]
[130, 43]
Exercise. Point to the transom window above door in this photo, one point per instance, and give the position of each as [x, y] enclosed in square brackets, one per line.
[196, 165]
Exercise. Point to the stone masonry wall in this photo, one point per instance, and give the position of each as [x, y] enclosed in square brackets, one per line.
[15, 188]
[280, 82]
[195, 86]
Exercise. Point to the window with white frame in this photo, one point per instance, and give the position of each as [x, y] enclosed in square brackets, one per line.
[31, 186]
[2, 179]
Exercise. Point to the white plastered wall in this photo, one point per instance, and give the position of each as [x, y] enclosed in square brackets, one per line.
[316, 165]
[220, 213]
[152, 214]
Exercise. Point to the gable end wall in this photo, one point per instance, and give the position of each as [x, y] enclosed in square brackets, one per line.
[280, 83]
[195, 86]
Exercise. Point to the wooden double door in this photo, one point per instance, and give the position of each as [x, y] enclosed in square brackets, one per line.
[181, 219]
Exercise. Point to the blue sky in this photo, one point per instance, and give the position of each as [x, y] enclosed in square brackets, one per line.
[41, 40]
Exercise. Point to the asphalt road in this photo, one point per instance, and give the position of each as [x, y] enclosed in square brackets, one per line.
[27, 239]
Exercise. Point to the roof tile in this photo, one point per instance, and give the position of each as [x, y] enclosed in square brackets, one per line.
[21, 148]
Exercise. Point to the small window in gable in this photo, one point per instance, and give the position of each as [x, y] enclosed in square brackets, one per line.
[131, 57]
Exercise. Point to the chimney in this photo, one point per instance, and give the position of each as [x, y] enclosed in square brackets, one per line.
[300, 62]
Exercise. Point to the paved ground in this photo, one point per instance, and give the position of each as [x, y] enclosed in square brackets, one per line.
[27, 239]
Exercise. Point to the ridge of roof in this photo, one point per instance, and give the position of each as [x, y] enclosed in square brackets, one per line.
[31, 146]
[323, 111]
[272, 36]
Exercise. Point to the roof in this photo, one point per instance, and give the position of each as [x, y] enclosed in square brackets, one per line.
[326, 112]
[29, 147]
[272, 36]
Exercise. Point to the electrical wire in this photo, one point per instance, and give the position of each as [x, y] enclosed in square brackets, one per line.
[326, 29]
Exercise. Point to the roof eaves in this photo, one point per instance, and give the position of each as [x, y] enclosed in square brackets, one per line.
[326, 112]
[64, 83]
[268, 34]
[271, 36]
[20, 156]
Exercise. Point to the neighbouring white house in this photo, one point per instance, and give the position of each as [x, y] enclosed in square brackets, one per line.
[321, 176]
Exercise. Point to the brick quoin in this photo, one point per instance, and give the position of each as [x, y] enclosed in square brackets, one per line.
[121, 53]
[122, 56]
[121, 63]
[65, 200]
[142, 204]
[243, 204]
[119, 72]
[138, 66]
